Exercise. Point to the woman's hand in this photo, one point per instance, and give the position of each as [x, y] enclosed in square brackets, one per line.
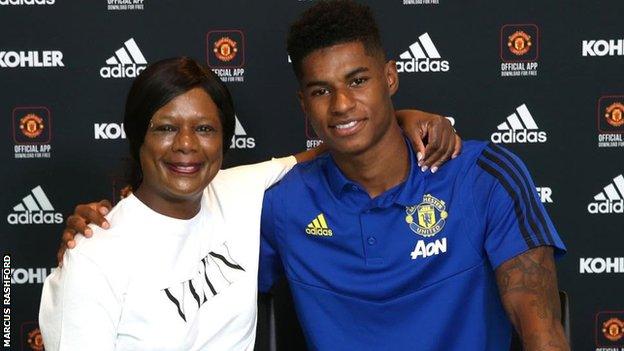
[432, 136]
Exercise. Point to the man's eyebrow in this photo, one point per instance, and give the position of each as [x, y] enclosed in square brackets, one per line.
[349, 75]
[356, 72]
[315, 83]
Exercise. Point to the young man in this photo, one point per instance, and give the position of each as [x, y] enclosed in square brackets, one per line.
[381, 256]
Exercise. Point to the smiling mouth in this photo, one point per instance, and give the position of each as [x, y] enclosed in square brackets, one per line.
[347, 128]
[346, 125]
[184, 168]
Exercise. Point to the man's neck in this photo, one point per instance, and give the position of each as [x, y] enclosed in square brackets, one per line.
[382, 167]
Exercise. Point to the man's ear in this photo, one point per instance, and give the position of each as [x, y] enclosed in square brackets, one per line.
[392, 77]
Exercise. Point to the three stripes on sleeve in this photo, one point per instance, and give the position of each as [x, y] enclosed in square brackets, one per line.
[533, 222]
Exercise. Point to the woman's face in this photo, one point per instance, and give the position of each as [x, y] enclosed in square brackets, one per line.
[183, 147]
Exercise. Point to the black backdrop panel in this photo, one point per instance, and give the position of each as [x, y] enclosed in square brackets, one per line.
[542, 77]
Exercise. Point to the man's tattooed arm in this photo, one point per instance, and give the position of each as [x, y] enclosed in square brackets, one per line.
[528, 288]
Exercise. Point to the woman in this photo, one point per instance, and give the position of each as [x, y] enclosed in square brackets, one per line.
[177, 270]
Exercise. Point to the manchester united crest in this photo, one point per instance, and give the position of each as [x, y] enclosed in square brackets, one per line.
[427, 218]
[519, 43]
[613, 329]
[613, 114]
[31, 125]
[225, 49]
[35, 340]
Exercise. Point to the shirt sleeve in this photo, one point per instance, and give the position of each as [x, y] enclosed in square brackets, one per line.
[264, 174]
[270, 268]
[515, 219]
[79, 308]
[277, 169]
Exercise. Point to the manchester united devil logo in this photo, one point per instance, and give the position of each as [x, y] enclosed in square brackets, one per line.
[614, 114]
[519, 43]
[613, 329]
[31, 125]
[225, 49]
[427, 218]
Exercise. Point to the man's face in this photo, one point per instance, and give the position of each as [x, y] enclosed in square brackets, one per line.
[345, 92]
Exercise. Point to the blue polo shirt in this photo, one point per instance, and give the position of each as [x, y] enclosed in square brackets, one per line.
[412, 269]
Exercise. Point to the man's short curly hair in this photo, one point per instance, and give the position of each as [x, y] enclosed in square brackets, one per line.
[329, 23]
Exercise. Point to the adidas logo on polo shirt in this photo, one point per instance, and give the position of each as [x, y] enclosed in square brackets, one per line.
[127, 62]
[611, 199]
[422, 56]
[318, 226]
[520, 127]
[35, 208]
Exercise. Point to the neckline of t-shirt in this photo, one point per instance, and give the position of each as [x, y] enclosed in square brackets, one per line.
[159, 216]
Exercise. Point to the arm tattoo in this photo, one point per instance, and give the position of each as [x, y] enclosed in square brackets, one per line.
[527, 275]
[528, 288]
[533, 342]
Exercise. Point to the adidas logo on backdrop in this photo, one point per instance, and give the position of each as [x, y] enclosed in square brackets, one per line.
[127, 62]
[611, 199]
[520, 127]
[35, 208]
[318, 226]
[26, 2]
[240, 140]
[422, 56]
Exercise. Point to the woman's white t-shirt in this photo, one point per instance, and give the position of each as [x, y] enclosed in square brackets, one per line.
[153, 282]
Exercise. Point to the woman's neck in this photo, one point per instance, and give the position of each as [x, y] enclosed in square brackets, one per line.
[168, 205]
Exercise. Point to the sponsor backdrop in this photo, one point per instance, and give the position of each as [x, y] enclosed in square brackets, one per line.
[541, 78]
